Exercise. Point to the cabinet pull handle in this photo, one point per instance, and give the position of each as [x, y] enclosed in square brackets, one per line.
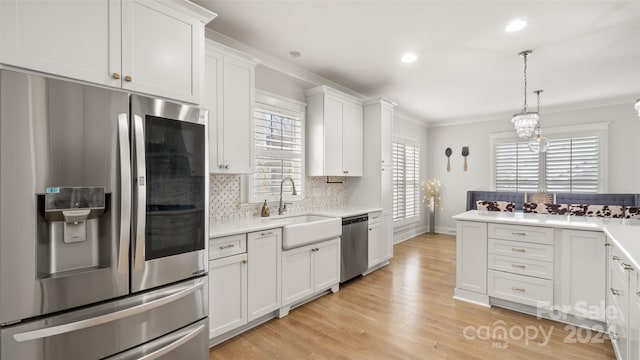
[518, 289]
[518, 233]
[226, 246]
[221, 166]
[627, 266]
[607, 244]
[615, 292]
[244, 261]
[614, 257]
[518, 250]
[115, 76]
[638, 293]
[226, 166]
[370, 229]
[267, 233]
[518, 266]
[128, 78]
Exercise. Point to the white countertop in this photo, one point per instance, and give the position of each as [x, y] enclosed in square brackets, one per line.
[233, 227]
[625, 233]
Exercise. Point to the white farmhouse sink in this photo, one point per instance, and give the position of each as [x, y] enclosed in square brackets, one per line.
[308, 229]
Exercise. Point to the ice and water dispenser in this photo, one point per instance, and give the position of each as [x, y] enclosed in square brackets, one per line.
[73, 221]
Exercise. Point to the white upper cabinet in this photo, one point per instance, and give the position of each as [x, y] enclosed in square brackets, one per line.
[334, 133]
[151, 47]
[228, 93]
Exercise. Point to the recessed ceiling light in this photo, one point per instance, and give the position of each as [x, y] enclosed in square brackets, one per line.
[409, 58]
[515, 25]
[295, 54]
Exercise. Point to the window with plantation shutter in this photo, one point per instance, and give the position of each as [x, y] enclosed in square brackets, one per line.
[516, 167]
[278, 153]
[406, 180]
[572, 165]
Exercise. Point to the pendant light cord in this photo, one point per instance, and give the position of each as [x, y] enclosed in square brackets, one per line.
[524, 108]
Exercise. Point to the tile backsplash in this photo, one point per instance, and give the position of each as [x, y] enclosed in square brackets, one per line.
[224, 198]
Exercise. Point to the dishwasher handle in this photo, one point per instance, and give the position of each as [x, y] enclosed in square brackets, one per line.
[355, 219]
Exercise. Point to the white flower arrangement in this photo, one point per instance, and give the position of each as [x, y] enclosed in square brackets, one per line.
[431, 193]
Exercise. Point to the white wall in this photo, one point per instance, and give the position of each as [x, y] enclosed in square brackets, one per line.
[410, 128]
[623, 174]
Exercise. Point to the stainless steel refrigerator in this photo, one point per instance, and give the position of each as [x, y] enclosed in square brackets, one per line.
[103, 223]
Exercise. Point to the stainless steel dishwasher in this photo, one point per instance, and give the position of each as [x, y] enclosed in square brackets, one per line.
[354, 246]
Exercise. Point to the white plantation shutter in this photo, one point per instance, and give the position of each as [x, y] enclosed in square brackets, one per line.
[406, 180]
[572, 165]
[516, 167]
[569, 165]
[278, 154]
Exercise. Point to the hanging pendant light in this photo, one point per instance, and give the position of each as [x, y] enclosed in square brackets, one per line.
[526, 121]
[538, 143]
[637, 107]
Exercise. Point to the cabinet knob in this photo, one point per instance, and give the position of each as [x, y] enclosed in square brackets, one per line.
[115, 76]
[607, 244]
[614, 257]
[128, 78]
[226, 166]
[244, 261]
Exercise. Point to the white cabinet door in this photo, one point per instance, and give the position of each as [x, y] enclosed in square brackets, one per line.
[212, 101]
[333, 138]
[634, 315]
[76, 39]
[161, 50]
[352, 121]
[227, 294]
[228, 94]
[471, 256]
[297, 274]
[238, 98]
[582, 271]
[376, 246]
[387, 236]
[326, 264]
[264, 248]
[386, 125]
[386, 188]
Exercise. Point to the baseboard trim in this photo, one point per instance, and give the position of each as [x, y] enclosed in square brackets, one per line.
[471, 297]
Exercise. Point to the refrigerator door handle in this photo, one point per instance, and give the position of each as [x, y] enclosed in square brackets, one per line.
[174, 345]
[125, 194]
[103, 319]
[141, 192]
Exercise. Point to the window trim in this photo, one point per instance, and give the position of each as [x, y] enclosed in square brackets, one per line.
[277, 104]
[600, 129]
[418, 216]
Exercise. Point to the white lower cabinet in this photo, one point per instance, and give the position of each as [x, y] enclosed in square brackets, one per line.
[471, 256]
[309, 270]
[376, 248]
[264, 248]
[244, 287]
[581, 273]
[634, 315]
[622, 304]
[227, 294]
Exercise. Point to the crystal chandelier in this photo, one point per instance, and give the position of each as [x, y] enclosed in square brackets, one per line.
[638, 106]
[538, 143]
[525, 122]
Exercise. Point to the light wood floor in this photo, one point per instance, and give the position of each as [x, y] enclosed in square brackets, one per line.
[406, 311]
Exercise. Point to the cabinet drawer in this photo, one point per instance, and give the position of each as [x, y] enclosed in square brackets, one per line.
[375, 217]
[532, 234]
[227, 246]
[521, 289]
[541, 269]
[522, 250]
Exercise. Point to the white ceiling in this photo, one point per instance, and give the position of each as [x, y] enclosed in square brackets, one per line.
[468, 67]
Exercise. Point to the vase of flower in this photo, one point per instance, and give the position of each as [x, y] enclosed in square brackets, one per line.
[432, 201]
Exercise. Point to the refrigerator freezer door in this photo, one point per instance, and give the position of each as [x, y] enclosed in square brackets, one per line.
[110, 328]
[171, 183]
[56, 135]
